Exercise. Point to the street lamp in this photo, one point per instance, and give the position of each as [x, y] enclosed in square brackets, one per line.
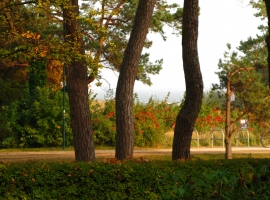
[64, 107]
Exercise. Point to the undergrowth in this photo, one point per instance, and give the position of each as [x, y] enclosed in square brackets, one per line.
[137, 179]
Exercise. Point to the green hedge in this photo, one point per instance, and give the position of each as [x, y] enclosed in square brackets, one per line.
[219, 179]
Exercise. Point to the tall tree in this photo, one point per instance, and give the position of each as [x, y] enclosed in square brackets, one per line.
[267, 3]
[194, 85]
[126, 80]
[243, 76]
[263, 7]
[106, 25]
[77, 86]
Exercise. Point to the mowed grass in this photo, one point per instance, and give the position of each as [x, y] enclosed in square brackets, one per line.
[207, 156]
[43, 149]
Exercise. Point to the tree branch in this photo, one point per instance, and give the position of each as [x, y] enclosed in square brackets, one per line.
[18, 4]
[241, 69]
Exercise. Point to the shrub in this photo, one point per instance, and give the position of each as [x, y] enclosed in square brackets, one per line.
[38, 124]
[137, 179]
[151, 121]
[103, 122]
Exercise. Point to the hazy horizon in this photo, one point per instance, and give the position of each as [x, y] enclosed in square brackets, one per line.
[144, 95]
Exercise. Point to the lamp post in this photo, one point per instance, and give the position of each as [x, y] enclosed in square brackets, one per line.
[64, 107]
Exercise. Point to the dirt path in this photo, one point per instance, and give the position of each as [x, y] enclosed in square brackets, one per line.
[69, 155]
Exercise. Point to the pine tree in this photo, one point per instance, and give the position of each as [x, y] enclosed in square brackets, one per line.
[188, 114]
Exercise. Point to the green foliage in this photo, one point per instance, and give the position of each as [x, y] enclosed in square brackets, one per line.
[108, 28]
[103, 123]
[152, 120]
[211, 114]
[218, 180]
[37, 77]
[37, 123]
[137, 179]
[23, 42]
[27, 47]
[260, 6]
[246, 71]
[10, 90]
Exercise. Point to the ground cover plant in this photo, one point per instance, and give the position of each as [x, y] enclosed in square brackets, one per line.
[137, 179]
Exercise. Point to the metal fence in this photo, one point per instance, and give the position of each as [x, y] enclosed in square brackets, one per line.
[217, 134]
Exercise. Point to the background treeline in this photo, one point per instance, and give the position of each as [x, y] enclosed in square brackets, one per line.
[37, 121]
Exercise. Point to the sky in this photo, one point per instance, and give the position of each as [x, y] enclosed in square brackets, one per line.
[220, 22]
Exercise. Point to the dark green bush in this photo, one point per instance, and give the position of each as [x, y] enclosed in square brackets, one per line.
[38, 123]
[219, 179]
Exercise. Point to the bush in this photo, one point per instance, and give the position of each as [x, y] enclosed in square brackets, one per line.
[39, 123]
[151, 121]
[137, 179]
[103, 122]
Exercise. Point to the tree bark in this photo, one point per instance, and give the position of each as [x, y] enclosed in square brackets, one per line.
[267, 40]
[126, 80]
[77, 88]
[228, 135]
[194, 85]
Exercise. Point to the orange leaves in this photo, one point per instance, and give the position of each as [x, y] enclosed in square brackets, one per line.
[30, 35]
[110, 114]
[43, 53]
[113, 160]
[147, 117]
[34, 38]
[210, 119]
[54, 73]
[42, 50]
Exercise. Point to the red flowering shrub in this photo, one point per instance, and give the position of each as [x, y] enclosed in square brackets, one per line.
[210, 118]
[103, 123]
[152, 120]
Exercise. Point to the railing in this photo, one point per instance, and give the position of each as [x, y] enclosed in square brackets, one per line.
[221, 136]
[245, 136]
[213, 138]
[197, 137]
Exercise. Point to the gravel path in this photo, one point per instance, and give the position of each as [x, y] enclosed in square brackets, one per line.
[69, 155]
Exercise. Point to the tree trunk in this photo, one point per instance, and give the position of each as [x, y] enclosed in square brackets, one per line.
[228, 135]
[228, 148]
[194, 85]
[77, 88]
[126, 80]
[267, 40]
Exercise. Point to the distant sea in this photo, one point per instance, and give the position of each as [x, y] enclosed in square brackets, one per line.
[144, 94]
